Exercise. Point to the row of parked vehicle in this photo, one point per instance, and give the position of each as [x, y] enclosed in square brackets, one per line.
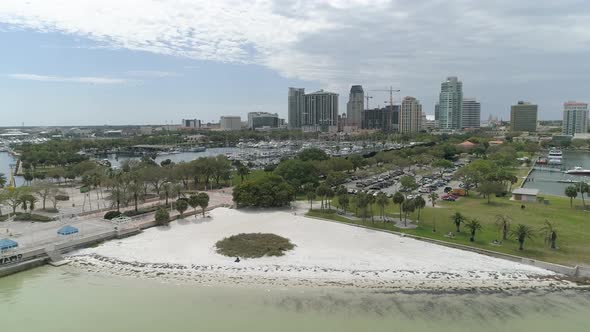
[381, 181]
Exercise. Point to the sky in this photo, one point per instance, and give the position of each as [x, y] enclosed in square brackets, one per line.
[95, 62]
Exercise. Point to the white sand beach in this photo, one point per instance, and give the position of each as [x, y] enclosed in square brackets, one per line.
[325, 253]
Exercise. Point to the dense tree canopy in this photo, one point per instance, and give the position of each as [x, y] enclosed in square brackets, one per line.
[267, 191]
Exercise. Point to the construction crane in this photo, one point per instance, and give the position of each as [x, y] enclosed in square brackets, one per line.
[391, 91]
[367, 97]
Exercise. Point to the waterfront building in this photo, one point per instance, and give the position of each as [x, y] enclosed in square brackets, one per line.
[355, 105]
[230, 123]
[523, 117]
[263, 119]
[471, 113]
[450, 104]
[575, 118]
[410, 118]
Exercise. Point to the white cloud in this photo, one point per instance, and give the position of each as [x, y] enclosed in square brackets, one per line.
[407, 43]
[60, 79]
[152, 73]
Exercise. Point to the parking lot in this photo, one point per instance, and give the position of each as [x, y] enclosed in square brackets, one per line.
[389, 182]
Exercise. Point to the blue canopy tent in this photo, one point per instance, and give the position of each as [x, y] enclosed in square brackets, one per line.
[67, 230]
[6, 244]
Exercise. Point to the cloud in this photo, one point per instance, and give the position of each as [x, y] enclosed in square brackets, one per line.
[152, 73]
[410, 44]
[85, 80]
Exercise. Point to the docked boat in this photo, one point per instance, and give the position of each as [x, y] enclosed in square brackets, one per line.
[555, 157]
[578, 171]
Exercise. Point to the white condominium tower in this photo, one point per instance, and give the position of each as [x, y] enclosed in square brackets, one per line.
[410, 118]
[450, 104]
[575, 118]
[471, 113]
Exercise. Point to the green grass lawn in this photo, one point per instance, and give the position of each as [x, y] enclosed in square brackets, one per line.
[572, 226]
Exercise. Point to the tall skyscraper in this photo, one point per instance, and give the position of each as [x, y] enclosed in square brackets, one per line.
[320, 111]
[523, 117]
[471, 113]
[355, 105]
[296, 107]
[410, 116]
[575, 118]
[316, 111]
[450, 104]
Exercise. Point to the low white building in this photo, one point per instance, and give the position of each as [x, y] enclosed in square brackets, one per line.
[230, 123]
[525, 195]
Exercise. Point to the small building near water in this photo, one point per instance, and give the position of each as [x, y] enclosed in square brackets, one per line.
[525, 195]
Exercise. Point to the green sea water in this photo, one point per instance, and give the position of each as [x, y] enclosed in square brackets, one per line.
[67, 299]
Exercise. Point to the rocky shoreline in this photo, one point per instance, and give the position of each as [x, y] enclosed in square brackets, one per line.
[296, 276]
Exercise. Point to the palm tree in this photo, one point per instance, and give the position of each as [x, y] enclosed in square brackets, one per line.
[583, 188]
[433, 196]
[408, 206]
[399, 198]
[382, 201]
[203, 201]
[473, 225]
[343, 200]
[362, 201]
[571, 192]
[503, 223]
[2, 180]
[458, 219]
[550, 234]
[420, 204]
[136, 190]
[243, 171]
[167, 188]
[311, 195]
[521, 233]
[193, 201]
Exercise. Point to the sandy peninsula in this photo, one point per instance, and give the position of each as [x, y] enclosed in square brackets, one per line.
[326, 253]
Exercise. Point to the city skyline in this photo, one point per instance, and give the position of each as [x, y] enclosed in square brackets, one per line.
[62, 66]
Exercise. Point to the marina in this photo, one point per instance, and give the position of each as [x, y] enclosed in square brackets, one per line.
[553, 179]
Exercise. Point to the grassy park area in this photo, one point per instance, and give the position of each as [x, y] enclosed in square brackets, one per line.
[572, 226]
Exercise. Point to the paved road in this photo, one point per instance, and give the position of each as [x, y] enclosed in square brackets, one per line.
[37, 234]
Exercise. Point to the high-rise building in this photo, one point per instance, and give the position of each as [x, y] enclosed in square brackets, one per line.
[410, 119]
[523, 117]
[230, 123]
[471, 113]
[262, 119]
[320, 111]
[316, 111]
[575, 118]
[450, 104]
[296, 107]
[355, 105]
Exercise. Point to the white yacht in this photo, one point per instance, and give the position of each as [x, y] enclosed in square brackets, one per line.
[554, 157]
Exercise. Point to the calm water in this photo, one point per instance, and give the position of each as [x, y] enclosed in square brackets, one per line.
[547, 181]
[6, 159]
[65, 299]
